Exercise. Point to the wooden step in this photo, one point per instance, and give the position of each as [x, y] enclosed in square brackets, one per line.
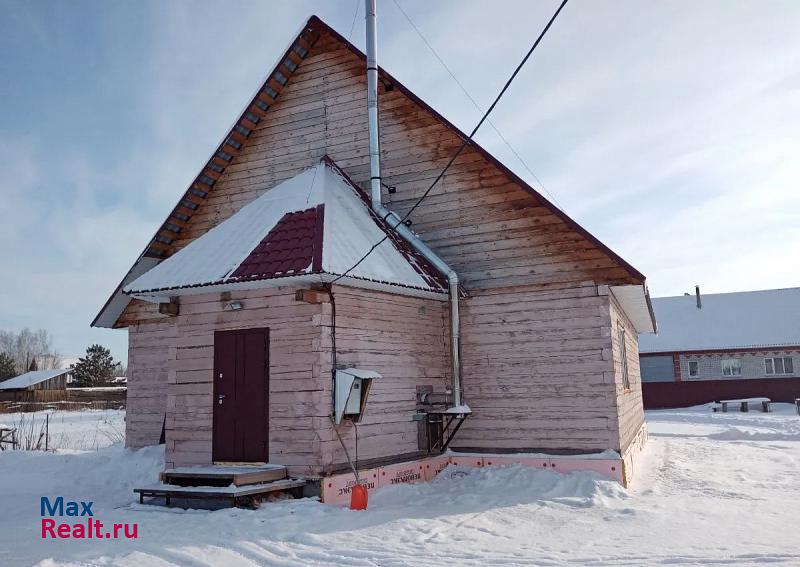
[223, 475]
[248, 495]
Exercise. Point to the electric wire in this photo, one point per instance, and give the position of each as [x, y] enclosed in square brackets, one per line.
[466, 141]
[353, 25]
[475, 103]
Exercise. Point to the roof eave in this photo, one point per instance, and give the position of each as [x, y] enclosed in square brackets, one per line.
[306, 278]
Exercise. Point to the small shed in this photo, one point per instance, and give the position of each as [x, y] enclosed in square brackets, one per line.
[24, 387]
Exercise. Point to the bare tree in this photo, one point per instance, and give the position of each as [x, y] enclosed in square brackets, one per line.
[26, 346]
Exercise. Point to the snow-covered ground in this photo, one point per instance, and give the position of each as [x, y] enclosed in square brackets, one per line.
[79, 430]
[711, 489]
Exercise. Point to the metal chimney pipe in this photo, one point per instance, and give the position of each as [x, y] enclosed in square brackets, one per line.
[697, 295]
[393, 220]
[372, 103]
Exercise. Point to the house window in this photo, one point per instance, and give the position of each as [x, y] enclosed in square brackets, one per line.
[623, 354]
[731, 367]
[693, 368]
[779, 365]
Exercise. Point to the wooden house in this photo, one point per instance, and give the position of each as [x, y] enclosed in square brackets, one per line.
[243, 305]
[723, 346]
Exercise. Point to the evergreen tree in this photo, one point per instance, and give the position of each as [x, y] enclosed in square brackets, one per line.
[33, 367]
[7, 367]
[97, 368]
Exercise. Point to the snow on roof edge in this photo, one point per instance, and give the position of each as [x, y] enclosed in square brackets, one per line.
[31, 378]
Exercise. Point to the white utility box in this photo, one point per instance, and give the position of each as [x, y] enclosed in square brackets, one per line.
[352, 389]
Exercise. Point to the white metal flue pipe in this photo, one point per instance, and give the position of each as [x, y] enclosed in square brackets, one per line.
[392, 219]
[372, 103]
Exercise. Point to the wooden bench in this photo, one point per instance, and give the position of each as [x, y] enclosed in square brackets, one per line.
[744, 404]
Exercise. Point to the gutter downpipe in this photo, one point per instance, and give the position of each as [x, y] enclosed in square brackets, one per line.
[392, 219]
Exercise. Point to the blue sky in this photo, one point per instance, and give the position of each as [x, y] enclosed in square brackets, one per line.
[669, 130]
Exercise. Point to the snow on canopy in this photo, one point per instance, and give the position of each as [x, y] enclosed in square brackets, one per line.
[316, 223]
[30, 378]
[725, 321]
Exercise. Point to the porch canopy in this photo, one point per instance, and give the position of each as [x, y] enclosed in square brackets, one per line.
[309, 229]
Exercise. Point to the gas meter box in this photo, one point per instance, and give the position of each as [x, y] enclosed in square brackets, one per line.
[351, 392]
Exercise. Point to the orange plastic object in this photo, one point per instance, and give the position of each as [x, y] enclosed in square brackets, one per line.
[359, 497]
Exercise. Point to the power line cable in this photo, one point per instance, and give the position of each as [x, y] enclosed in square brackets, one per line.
[476, 105]
[353, 25]
[468, 139]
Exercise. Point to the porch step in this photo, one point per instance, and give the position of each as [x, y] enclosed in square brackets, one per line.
[235, 495]
[223, 476]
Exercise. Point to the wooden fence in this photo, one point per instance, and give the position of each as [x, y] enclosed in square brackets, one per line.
[71, 399]
[662, 395]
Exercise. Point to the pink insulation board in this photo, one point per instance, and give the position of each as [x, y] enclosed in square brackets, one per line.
[401, 473]
[337, 488]
[502, 460]
[611, 468]
[434, 466]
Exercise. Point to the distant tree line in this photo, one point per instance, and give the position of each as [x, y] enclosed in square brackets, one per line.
[28, 350]
[25, 351]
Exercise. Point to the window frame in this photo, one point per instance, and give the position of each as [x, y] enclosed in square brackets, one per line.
[623, 353]
[696, 373]
[769, 363]
[733, 364]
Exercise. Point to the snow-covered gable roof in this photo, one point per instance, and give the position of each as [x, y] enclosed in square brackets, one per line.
[314, 224]
[750, 319]
[31, 378]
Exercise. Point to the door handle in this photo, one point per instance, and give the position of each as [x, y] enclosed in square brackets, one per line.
[220, 397]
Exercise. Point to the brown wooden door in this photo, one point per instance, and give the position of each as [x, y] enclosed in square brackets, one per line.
[241, 396]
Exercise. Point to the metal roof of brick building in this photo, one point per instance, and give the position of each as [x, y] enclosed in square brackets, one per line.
[750, 319]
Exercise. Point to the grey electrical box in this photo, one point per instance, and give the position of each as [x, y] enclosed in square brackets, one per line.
[351, 392]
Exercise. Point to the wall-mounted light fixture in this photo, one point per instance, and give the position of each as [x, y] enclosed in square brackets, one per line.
[235, 305]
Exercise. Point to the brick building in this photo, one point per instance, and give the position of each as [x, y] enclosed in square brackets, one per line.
[724, 345]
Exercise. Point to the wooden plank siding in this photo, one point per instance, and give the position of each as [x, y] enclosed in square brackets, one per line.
[297, 400]
[406, 340]
[55, 383]
[148, 351]
[629, 408]
[403, 338]
[537, 341]
[537, 370]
